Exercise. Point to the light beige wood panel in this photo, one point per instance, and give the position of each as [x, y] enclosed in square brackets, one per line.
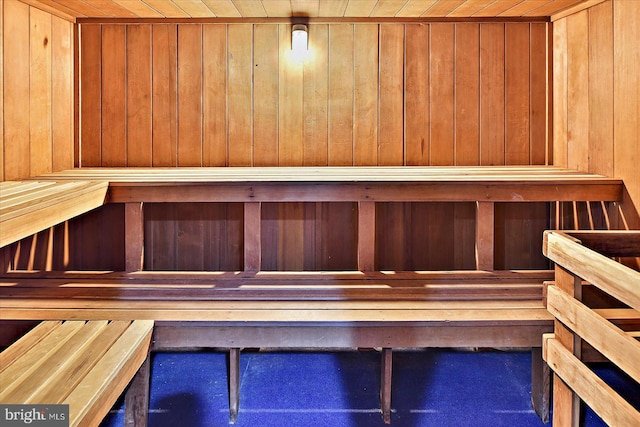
[215, 100]
[341, 64]
[36, 92]
[367, 94]
[601, 94]
[578, 90]
[139, 101]
[391, 93]
[290, 104]
[316, 98]
[626, 57]
[416, 97]
[596, 98]
[365, 107]
[1, 96]
[240, 68]
[190, 59]
[40, 92]
[62, 93]
[265, 87]
[16, 92]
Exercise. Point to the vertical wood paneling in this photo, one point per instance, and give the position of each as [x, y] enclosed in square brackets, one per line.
[215, 98]
[476, 96]
[626, 115]
[40, 125]
[114, 105]
[190, 59]
[539, 94]
[341, 84]
[290, 91]
[601, 93]
[315, 98]
[2, 253]
[578, 90]
[467, 95]
[91, 93]
[365, 108]
[442, 94]
[139, 102]
[416, 96]
[165, 94]
[560, 92]
[391, 149]
[240, 69]
[492, 102]
[62, 97]
[517, 94]
[265, 94]
[16, 90]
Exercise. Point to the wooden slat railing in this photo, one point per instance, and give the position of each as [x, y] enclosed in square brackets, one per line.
[585, 257]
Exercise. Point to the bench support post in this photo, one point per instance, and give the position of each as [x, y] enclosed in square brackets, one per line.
[136, 403]
[540, 385]
[234, 384]
[366, 235]
[252, 233]
[485, 235]
[385, 385]
[134, 230]
[566, 403]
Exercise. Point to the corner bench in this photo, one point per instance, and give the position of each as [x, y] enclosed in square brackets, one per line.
[85, 365]
[364, 308]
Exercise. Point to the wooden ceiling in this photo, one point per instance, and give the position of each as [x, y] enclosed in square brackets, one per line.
[309, 8]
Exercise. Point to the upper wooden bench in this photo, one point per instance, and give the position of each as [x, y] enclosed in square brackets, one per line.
[484, 185]
[28, 207]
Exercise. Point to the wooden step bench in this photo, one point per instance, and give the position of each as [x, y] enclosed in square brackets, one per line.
[28, 207]
[85, 365]
[302, 310]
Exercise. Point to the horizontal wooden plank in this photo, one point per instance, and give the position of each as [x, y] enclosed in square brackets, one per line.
[613, 409]
[28, 207]
[98, 391]
[619, 281]
[612, 243]
[613, 343]
[25, 343]
[299, 184]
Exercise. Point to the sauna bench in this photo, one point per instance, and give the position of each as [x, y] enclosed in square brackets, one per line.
[30, 206]
[85, 365]
[484, 185]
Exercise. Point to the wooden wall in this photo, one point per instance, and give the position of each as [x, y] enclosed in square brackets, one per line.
[597, 97]
[369, 94]
[36, 92]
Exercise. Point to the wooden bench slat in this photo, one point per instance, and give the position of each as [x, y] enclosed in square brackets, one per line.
[79, 363]
[32, 360]
[95, 394]
[43, 374]
[24, 213]
[25, 343]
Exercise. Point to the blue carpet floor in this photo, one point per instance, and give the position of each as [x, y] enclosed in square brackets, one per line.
[430, 388]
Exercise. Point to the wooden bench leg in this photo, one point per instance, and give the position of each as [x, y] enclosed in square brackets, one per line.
[540, 385]
[234, 384]
[136, 403]
[385, 385]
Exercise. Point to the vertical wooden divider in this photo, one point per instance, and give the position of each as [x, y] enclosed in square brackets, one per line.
[134, 236]
[566, 404]
[252, 247]
[485, 235]
[366, 235]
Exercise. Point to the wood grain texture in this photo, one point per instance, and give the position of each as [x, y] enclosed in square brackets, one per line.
[114, 106]
[139, 99]
[189, 121]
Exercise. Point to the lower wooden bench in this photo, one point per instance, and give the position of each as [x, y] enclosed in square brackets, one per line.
[86, 365]
[304, 310]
